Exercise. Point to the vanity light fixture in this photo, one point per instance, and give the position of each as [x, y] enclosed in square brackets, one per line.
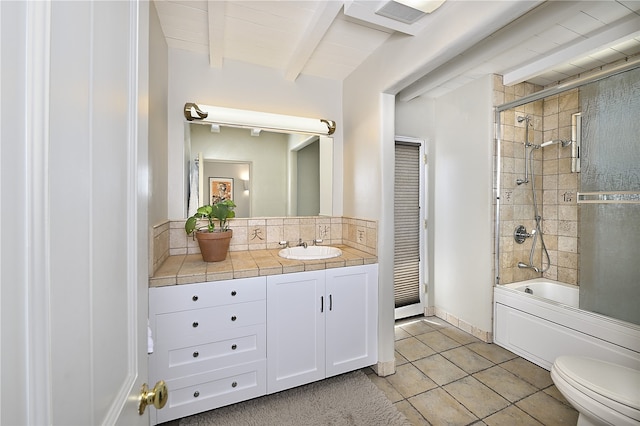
[254, 119]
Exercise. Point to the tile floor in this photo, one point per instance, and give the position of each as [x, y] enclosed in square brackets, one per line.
[445, 376]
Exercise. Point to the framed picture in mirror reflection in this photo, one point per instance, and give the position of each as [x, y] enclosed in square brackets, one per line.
[221, 189]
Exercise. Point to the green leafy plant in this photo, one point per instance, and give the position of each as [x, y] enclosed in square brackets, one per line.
[219, 211]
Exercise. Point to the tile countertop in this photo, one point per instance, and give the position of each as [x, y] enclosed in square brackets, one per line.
[190, 268]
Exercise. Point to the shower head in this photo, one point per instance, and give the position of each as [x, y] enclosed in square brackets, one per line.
[521, 118]
[563, 143]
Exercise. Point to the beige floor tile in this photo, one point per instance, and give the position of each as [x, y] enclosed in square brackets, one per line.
[459, 335]
[401, 333]
[414, 417]
[476, 397]
[438, 341]
[439, 369]
[410, 381]
[413, 349]
[445, 376]
[400, 360]
[466, 359]
[493, 353]
[554, 392]
[505, 383]
[548, 410]
[383, 384]
[440, 408]
[537, 376]
[417, 327]
[436, 322]
[511, 416]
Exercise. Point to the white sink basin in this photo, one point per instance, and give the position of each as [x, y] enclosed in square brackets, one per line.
[310, 252]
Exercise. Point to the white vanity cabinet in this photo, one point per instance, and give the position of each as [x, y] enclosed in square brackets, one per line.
[320, 324]
[209, 344]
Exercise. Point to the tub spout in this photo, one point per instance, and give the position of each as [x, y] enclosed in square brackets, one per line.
[523, 265]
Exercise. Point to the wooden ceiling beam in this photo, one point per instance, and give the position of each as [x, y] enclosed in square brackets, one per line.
[315, 32]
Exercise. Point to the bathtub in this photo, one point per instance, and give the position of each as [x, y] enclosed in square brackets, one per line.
[539, 320]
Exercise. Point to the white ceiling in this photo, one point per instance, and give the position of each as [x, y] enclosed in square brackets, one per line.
[551, 41]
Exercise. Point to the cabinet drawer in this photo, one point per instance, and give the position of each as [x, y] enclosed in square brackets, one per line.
[179, 327]
[191, 395]
[205, 295]
[224, 349]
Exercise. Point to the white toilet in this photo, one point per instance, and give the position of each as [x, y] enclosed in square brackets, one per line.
[602, 392]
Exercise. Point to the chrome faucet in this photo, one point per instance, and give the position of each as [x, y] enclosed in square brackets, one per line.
[523, 265]
[302, 243]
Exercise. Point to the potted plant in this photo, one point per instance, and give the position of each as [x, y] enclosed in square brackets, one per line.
[213, 242]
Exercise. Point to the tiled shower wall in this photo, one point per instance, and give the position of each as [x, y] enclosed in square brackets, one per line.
[556, 187]
[169, 238]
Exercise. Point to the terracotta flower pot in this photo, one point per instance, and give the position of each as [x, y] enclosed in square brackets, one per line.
[214, 245]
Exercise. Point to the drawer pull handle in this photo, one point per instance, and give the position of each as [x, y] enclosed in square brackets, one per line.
[194, 298]
[195, 324]
[196, 394]
[233, 293]
[233, 318]
[234, 347]
[196, 354]
[234, 384]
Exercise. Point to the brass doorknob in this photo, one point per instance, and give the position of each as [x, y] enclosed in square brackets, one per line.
[157, 396]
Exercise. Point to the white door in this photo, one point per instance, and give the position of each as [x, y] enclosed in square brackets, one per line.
[409, 270]
[296, 308]
[80, 164]
[352, 318]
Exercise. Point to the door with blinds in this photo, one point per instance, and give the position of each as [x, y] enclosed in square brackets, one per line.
[408, 227]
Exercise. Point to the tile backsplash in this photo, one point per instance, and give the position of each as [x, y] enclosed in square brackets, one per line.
[169, 238]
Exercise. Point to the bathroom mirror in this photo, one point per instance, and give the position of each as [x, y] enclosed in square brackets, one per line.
[267, 174]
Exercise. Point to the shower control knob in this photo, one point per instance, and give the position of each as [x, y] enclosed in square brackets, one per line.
[520, 234]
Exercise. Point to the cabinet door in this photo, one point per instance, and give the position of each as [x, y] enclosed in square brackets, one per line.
[352, 318]
[296, 308]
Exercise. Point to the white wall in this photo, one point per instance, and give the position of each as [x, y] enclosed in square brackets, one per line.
[459, 147]
[243, 86]
[463, 220]
[369, 116]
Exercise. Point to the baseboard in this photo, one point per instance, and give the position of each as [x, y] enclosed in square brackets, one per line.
[485, 336]
[384, 369]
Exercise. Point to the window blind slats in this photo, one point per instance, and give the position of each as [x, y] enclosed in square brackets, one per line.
[407, 225]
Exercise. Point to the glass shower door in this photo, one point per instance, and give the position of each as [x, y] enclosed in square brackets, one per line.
[609, 198]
